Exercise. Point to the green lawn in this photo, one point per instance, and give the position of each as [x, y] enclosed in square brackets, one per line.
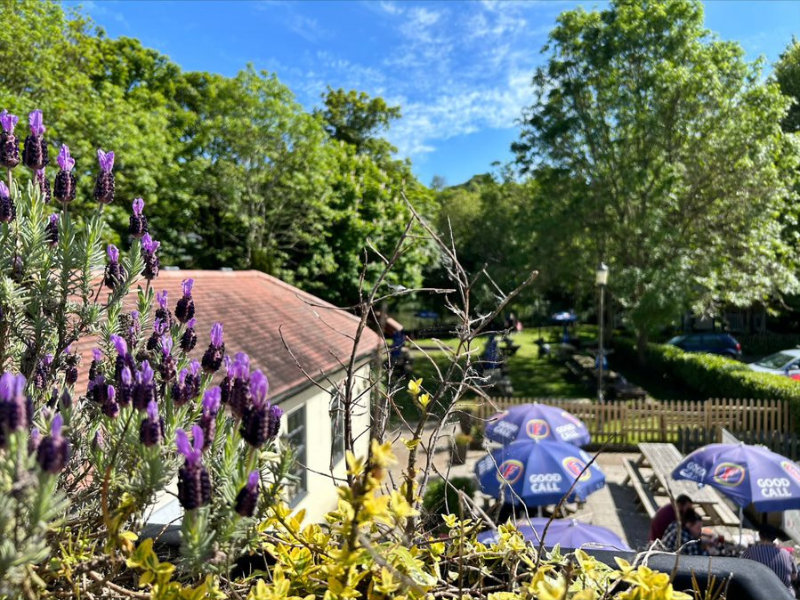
[532, 376]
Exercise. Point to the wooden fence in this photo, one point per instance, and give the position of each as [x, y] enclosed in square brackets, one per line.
[782, 442]
[638, 421]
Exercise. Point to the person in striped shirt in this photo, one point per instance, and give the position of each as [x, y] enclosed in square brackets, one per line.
[766, 552]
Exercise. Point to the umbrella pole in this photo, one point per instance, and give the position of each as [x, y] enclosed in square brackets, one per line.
[741, 518]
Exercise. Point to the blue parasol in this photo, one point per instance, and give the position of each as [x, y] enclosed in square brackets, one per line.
[538, 473]
[537, 422]
[567, 533]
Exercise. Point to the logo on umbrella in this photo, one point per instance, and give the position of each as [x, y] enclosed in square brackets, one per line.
[575, 466]
[792, 469]
[510, 471]
[571, 418]
[729, 474]
[537, 429]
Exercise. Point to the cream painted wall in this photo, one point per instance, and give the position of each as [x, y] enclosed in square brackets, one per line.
[321, 496]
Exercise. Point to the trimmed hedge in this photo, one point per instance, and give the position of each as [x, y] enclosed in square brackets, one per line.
[713, 376]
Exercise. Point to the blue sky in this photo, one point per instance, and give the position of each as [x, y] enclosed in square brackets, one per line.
[459, 70]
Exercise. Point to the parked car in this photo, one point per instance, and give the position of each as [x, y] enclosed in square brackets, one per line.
[785, 362]
[723, 344]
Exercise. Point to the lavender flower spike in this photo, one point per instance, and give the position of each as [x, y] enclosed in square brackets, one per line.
[8, 121]
[217, 338]
[120, 344]
[259, 386]
[44, 185]
[151, 431]
[192, 454]
[211, 401]
[137, 224]
[166, 345]
[184, 310]
[162, 299]
[106, 160]
[104, 185]
[53, 452]
[97, 354]
[247, 498]
[36, 122]
[65, 161]
[8, 212]
[113, 253]
[149, 245]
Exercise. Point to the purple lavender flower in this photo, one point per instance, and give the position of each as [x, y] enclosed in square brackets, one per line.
[163, 313]
[226, 386]
[151, 431]
[184, 310]
[9, 145]
[257, 420]
[167, 360]
[71, 360]
[124, 358]
[65, 402]
[151, 262]
[193, 380]
[97, 359]
[180, 394]
[212, 359]
[53, 452]
[144, 390]
[115, 274]
[137, 224]
[64, 188]
[241, 396]
[34, 440]
[125, 387]
[104, 186]
[51, 230]
[110, 406]
[208, 418]
[15, 412]
[8, 212]
[194, 484]
[42, 372]
[189, 337]
[274, 427]
[43, 184]
[34, 152]
[247, 498]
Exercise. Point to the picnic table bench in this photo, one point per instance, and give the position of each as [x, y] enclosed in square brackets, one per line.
[662, 459]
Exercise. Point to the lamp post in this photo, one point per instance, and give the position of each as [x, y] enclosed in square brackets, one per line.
[601, 278]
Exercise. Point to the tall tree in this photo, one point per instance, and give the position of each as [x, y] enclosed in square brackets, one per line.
[659, 150]
[787, 74]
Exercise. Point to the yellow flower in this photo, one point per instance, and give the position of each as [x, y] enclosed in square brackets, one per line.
[424, 399]
[415, 387]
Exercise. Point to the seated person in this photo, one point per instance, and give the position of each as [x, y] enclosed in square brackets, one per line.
[665, 516]
[685, 538]
[766, 552]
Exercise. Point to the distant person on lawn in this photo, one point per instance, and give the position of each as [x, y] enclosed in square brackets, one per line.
[679, 536]
[665, 516]
[767, 553]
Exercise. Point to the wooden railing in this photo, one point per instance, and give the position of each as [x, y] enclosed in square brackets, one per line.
[637, 421]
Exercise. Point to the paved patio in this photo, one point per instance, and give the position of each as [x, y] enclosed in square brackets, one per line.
[613, 506]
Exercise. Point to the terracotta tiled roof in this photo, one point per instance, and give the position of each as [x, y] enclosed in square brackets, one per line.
[255, 308]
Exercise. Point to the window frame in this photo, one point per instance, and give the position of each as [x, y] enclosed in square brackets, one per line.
[297, 490]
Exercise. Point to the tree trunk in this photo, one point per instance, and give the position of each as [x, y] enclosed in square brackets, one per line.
[641, 346]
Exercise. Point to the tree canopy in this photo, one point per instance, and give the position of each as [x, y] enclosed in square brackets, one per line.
[658, 149]
[233, 171]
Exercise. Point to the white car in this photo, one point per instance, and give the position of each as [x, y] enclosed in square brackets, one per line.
[785, 362]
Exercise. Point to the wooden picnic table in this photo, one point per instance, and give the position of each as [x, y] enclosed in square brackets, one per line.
[662, 459]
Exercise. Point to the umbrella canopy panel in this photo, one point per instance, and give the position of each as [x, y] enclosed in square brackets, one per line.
[567, 533]
[538, 473]
[745, 474]
[537, 422]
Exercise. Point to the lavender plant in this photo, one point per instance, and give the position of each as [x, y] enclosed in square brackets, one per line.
[78, 473]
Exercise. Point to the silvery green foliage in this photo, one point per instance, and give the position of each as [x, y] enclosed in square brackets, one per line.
[79, 473]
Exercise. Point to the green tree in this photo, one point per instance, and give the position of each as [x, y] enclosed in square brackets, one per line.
[787, 74]
[357, 119]
[659, 150]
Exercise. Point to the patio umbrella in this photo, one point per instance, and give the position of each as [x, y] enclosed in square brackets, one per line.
[538, 473]
[745, 474]
[567, 533]
[564, 318]
[537, 422]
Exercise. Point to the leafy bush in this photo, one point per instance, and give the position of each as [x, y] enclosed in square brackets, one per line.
[714, 376]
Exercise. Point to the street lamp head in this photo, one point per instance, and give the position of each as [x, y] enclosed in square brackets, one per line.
[601, 275]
